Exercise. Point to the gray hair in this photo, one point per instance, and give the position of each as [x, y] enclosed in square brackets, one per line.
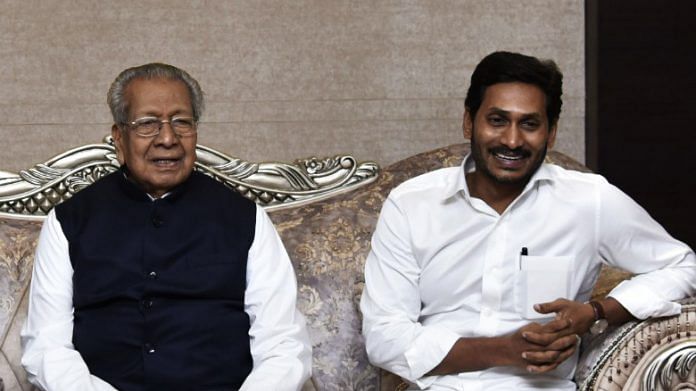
[119, 104]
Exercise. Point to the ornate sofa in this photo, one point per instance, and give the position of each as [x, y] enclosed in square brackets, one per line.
[325, 211]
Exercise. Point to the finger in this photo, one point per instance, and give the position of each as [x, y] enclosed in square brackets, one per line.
[566, 353]
[551, 306]
[542, 339]
[556, 325]
[541, 362]
[541, 368]
[548, 333]
[545, 334]
[534, 326]
[547, 357]
[564, 342]
[552, 341]
[541, 357]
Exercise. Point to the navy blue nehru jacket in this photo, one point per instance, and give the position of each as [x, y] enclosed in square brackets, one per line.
[158, 286]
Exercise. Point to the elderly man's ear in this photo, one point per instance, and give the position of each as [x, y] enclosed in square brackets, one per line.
[118, 142]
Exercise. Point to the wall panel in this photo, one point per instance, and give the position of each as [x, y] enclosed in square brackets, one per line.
[283, 79]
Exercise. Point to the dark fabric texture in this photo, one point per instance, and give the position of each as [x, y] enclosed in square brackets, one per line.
[159, 285]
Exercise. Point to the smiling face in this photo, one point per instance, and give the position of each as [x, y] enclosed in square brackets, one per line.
[510, 134]
[162, 162]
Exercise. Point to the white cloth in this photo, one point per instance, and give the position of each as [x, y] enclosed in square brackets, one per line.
[445, 265]
[279, 342]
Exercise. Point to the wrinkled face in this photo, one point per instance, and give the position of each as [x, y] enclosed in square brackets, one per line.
[164, 161]
[510, 134]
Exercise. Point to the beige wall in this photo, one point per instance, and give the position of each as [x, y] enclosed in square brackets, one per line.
[283, 79]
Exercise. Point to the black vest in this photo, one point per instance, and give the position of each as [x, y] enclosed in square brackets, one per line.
[158, 286]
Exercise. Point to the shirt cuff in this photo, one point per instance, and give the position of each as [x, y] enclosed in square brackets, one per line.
[642, 302]
[427, 351]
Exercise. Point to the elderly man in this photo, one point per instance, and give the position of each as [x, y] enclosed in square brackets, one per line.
[157, 277]
[479, 275]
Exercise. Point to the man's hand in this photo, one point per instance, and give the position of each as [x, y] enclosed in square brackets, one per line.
[559, 338]
[538, 348]
[580, 316]
[535, 347]
[541, 348]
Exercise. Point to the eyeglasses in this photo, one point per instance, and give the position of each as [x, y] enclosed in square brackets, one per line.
[151, 126]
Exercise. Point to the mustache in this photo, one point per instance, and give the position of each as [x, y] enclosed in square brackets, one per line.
[517, 152]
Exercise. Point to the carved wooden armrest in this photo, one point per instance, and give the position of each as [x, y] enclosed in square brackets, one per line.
[651, 355]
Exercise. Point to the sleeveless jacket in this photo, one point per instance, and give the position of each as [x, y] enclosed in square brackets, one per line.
[158, 286]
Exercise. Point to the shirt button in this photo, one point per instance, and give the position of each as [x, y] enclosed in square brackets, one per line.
[149, 348]
[486, 311]
[152, 275]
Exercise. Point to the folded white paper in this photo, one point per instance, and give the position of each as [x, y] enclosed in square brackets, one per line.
[543, 279]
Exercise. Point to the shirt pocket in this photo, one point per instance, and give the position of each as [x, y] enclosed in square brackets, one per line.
[541, 279]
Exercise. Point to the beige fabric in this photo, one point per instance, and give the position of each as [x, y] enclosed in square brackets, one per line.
[283, 79]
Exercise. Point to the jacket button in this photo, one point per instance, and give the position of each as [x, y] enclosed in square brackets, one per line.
[157, 221]
[152, 275]
[149, 348]
[147, 304]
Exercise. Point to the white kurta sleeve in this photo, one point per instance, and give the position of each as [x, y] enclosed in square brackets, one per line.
[391, 304]
[280, 346]
[631, 240]
[50, 359]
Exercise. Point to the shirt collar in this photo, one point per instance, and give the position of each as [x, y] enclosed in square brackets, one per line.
[136, 191]
[458, 183]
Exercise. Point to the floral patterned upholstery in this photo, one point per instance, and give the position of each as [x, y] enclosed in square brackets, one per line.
[17, 242]
[328, 242]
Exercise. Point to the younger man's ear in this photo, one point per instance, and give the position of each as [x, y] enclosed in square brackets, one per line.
[552, 135]
[467, 124]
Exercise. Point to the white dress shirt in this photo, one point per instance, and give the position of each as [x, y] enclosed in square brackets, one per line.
[445, 265]
[279, 343]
